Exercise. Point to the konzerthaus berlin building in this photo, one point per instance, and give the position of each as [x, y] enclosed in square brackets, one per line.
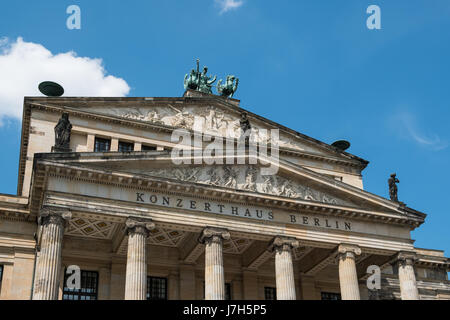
[139, 226]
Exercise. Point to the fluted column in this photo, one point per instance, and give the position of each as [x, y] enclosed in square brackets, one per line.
[348, 277]
[406, 275]
[284, 269]
[214, 273]
[136, 273]
[48, 266]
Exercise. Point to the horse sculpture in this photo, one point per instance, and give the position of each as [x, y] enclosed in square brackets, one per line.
[230, 87]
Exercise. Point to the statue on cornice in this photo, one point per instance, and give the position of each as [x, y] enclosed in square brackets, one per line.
[199, 81]
[62, 134]
[393, 189]
[229, 88]
[206, 82]
[246, 127]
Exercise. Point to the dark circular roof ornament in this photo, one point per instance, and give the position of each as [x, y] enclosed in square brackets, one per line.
[341, 145]
[51, 89]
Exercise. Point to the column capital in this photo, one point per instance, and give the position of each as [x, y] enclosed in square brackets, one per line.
[139, 225]
[211, 234]
[406, 258]
[348, 250]
[54, 215]
[283, 244]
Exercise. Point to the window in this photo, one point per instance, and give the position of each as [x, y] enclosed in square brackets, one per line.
[88, 290]
[270, 293]
[125, 146]
[227, 291]
[228, 295]
[156, 288]
[102, 145]
[330, 296]
[148, 148]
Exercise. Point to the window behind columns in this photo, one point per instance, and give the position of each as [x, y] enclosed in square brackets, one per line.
[146, 147]
[88, 289]
[156, 288]
[125, 146]
[330, 296]
[102, 145]
[270, 293]
[228, 295]
[228, 291]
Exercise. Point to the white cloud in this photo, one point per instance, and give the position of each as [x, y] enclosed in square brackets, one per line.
[227, 5]
[409, 126]
[23, 65]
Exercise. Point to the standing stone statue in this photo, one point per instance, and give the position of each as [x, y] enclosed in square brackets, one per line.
[62, 134]
[246, 127]
[393, 190]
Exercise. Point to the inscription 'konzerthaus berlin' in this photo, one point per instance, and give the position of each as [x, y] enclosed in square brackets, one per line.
[237, 211]
[99, 190]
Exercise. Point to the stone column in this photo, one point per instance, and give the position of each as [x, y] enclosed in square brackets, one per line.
[284, 270]
[136, 273]
[214, 274]
[348, 277]
[406, 275]
[48, 266]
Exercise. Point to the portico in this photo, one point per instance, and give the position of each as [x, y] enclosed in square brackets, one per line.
[140, 226]
[206, 236]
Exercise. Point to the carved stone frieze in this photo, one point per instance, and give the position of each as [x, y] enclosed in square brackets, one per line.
[211, 120]
[245, 177]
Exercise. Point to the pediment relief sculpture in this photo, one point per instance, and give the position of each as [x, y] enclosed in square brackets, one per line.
[248, 178]
[212, 120]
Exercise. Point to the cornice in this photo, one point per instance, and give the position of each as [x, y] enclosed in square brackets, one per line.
[201, 191]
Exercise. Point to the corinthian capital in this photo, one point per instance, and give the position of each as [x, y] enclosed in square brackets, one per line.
[283, 244]
[214, 235]
[53, 215]
[349, 251]
[406, 258]
[138, 225]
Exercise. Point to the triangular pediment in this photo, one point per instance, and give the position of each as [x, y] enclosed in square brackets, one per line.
[291, 182]
[215, 115]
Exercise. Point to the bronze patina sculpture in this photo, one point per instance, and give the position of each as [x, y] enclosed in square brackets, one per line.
[62, 134]
[200, 81]
[393, 190]
[206, 82]
[229, 88]
[191, 81]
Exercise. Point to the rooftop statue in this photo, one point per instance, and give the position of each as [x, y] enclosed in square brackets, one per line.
[393, 190]
[191, 80]
[206, 81]
[62, 134]
[199, 81]
[229, 88]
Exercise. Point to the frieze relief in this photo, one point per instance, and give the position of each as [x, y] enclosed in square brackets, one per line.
[213, 121]
[245, 177]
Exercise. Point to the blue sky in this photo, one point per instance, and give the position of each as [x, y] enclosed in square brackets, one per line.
[310, 65]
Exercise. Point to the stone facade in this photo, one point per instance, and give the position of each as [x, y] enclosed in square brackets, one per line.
[139, 226]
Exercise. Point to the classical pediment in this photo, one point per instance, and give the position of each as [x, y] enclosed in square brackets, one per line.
[245, 178]
[214, 115]
[291, 182]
